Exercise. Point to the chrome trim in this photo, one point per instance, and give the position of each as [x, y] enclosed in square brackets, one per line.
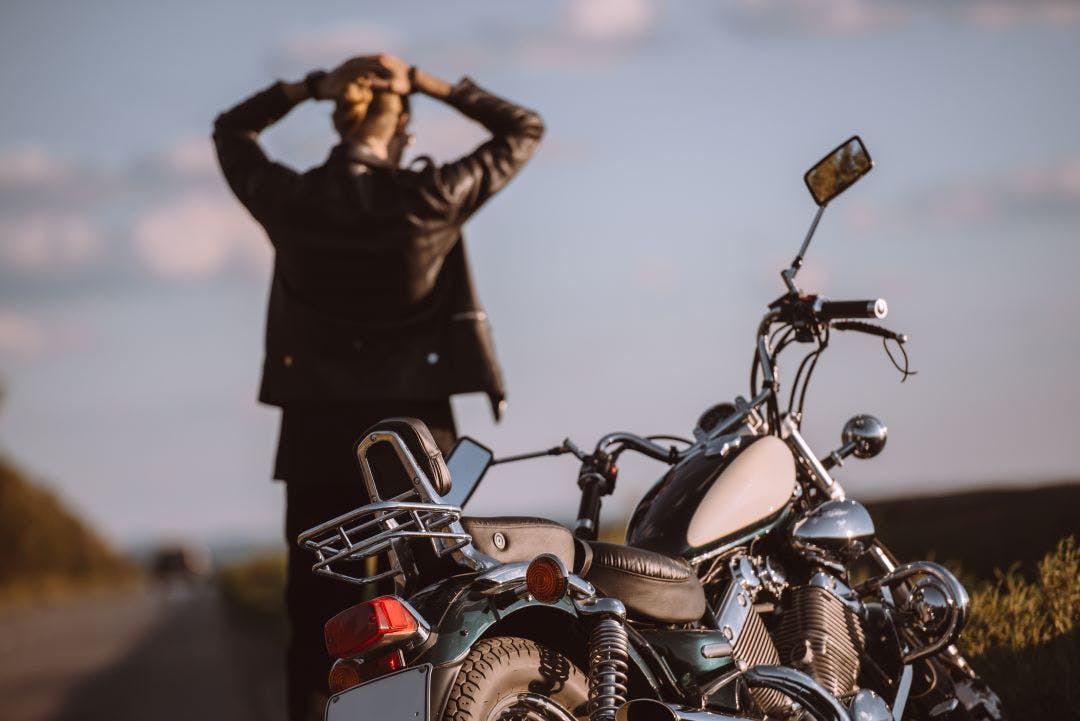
[647, 709]
[511, 576]
[800, 687]
[803, 453]
[957, 603]
[601, 606]
[738, 601]
[543, 705]
[867, 434]
[381, 525]
[835, 533]
[722, 445]
[781, 517]
[903, 689]
[839, 589]
[868, 706]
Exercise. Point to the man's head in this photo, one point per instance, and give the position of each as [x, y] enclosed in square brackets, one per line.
[376, 118]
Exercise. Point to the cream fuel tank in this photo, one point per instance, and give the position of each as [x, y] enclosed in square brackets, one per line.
[712, 500]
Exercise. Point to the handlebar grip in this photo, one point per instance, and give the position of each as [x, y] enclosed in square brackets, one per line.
[876, 309]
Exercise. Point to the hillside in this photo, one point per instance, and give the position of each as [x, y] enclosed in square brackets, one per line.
[980, 530]
[47, 550]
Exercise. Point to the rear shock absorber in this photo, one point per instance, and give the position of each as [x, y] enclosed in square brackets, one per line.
[608, 657]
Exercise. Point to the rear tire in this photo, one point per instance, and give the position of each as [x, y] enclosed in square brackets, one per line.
[499, 668]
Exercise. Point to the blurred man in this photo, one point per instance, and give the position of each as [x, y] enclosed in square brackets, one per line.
[372, 308]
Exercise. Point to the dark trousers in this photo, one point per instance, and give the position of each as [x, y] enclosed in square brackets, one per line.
[317, 462]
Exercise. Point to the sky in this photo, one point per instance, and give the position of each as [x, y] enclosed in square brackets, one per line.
[624, 270]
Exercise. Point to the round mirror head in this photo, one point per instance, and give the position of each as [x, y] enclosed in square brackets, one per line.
[867, 433]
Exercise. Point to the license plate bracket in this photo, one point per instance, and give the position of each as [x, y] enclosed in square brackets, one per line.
[400, 696]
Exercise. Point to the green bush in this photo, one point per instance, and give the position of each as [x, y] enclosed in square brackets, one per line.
[1024, 635]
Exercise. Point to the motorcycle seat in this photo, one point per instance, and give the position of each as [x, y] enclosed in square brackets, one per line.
[520, 539]
[651, 585]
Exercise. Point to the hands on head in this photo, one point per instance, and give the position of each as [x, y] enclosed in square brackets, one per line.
[355, 80]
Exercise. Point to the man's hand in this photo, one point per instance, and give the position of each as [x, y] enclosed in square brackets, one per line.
[376, 72]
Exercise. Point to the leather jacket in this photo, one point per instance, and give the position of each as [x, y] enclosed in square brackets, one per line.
[371, 296]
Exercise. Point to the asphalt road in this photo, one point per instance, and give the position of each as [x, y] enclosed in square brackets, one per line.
[167, 653]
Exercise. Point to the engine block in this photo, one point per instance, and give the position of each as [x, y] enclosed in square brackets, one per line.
[819, 635]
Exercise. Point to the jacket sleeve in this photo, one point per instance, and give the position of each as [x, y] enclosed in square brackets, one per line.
[258, 182]
[459, 188]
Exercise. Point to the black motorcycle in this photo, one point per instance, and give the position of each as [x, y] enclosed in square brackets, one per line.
[750, 587]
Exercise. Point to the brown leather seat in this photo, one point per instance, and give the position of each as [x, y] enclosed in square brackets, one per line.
[650, 584]
[520, 539]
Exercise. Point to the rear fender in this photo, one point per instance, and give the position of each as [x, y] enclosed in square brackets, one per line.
[466, 616]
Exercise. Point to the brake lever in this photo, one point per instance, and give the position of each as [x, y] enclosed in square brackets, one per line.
[886, 335]
[870, 329]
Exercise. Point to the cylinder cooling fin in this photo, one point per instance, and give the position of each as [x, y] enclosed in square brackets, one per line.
[819, 635]
[754, 647]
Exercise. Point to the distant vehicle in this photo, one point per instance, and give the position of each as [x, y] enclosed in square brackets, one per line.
[179, 562]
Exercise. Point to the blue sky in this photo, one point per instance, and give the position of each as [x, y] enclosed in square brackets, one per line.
[624, 270]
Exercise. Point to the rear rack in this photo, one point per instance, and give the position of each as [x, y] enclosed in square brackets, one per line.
[373, 529]
[344, 545]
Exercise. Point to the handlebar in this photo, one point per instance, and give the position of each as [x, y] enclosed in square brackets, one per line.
[833, 309]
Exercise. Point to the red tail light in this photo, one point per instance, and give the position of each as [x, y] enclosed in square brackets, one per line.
[369, 625]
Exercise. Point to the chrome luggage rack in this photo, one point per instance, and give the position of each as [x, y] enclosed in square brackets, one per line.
[344, 545]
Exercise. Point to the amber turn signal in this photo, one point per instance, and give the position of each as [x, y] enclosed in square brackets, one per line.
[546, 578]
[349, 672]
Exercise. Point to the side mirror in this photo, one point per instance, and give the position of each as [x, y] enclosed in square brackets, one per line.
[467, 463]
[866, 435]
[838, 170]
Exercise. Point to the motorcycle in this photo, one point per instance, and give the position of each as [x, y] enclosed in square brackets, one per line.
[750, 586]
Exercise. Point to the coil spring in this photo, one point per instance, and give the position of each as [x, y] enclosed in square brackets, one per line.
[607, 668]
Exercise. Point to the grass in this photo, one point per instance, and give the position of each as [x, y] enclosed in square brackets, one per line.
[255, 590]
[47, 551]
[1024, 635]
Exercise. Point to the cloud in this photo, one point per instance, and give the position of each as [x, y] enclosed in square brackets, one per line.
[47, 240]
[590, 33]
[858, 17]
[583, 33]
[1039, 191]
[69, 227]
[32, 166]
[1003, 15]
[19, 335]
[816, 17]
[328, 47]
[1017, 195]
[609, 21]
[190, 158]
[198, 236]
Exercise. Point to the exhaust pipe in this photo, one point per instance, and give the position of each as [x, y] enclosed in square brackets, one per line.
[811, 695]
